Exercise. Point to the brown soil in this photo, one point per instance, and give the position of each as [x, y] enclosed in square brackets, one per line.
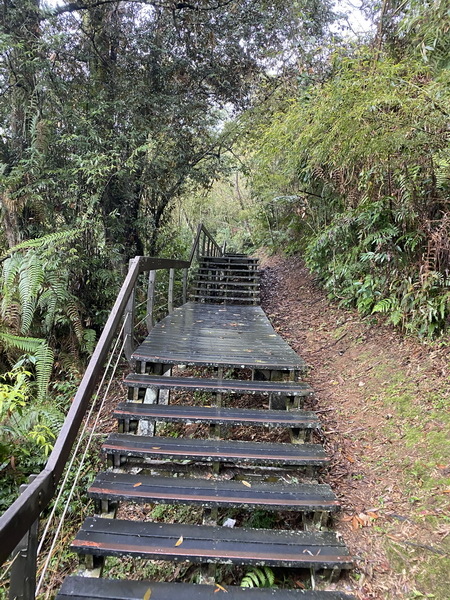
[394, 524]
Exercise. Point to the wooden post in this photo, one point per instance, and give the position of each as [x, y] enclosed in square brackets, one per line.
[171, 281]
[185, 281]
[23, 571]
[203, 244]
[129, 325]
[150, 300]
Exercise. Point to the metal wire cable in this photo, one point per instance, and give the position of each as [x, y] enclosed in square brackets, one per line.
[8, 567]
[77, 475]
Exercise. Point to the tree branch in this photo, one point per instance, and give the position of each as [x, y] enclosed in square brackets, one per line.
[75, 6]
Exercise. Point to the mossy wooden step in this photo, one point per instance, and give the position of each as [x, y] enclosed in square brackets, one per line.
[120, 446]
[210, 493]
[90, 588]
[209, 544]
[299, 419]
[223, 386]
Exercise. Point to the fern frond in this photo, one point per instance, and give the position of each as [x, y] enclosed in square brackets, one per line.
[40, 350]
[44, 241]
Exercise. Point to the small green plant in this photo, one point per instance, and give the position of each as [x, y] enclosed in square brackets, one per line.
[262, 577]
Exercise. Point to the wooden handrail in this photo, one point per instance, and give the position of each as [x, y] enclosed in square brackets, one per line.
[215, 248]
[23, 512]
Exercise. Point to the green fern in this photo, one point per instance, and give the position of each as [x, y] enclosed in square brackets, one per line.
[40, 350]
[262, 577]
[44, 241]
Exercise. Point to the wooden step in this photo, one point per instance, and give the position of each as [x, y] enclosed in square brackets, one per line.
[233, 259]
[220, 298]
[91, 588]
[222, 386]
[224, 270]
[222, 288]
[217, 415]
[237, 285]
[239, 263]
[202, 543]
[210, 493]
[122, 445]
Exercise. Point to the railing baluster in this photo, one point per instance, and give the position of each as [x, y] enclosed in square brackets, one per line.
[171, 282]
[150, 299]
[185, 281]
[128, 328]
[23, 570]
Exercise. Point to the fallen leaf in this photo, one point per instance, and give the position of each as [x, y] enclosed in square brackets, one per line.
[446, 491]
[137, 484]
[373, 515]
[220, 588]
[179, 541]
[147, 594]
[246, 483]
[156, 447]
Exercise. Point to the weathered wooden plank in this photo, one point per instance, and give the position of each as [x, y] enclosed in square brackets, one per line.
[89, 588]
[218, 415]
[213, 493]
[200, 543]
[212, 450]
[224, 386]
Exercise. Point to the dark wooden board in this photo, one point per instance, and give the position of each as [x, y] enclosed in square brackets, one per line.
[301, 419]
[224, 386]
[211, 493]
[202, 543]
[230, 284]
[233, 260]
[211, 450]
[223, 298]
[227, 271]
[208, 334]
[90, 588]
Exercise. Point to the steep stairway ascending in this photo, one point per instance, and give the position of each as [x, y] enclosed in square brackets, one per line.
[228, 279]
[212, 472]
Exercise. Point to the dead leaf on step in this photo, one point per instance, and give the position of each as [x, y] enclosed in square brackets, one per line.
[246, 483]
[156, 447]
[147, 594]
[220, 588]
[137, 484]
[179, 541]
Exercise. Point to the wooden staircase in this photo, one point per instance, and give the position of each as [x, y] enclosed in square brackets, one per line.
[215, 473]
[228, 279]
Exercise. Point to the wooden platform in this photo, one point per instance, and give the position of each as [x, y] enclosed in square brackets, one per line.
[218, 335]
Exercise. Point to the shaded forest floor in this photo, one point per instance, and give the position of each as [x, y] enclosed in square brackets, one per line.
[383, 399]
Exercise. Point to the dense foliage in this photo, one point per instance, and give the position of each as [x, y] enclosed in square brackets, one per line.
[354, 171]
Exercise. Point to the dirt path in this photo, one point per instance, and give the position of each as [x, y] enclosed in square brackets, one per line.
[384, 400]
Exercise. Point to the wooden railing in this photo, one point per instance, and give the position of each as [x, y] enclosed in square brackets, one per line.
[21, 517]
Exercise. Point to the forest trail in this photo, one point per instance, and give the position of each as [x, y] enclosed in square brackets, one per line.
[383, 400]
